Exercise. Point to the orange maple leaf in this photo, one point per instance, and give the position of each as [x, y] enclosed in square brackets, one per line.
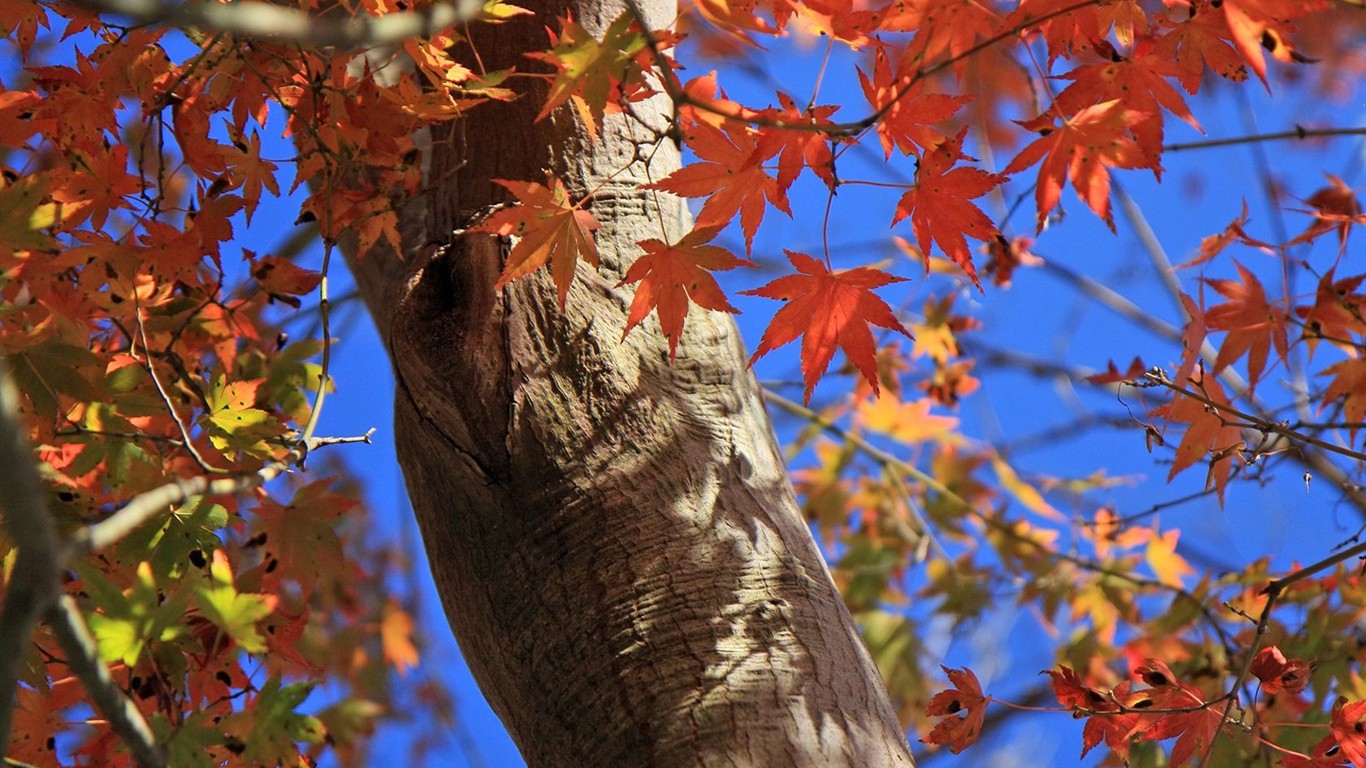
[949, 27]
[906, 123]
[1349, 387]
[1081, 149]
[731, 176]
[964, 697]
[1264, 24]
[670, 275]
[599, 75]
[549, 227]
[1210, 431]
[829, 309]
[1252, 324]
[939, 204]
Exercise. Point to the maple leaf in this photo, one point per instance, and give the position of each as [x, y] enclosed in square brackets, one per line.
[841, 20]
[964, 697]
[1278, 673]
[1139, 82]
[1081, 150]
[1162, 557]
[1347, 727]
[1201, 40]
[1113, 375]
[731, 176]
[829, 310]
[939, 208]
[1073, 693]
[1335, 207]
[1209, 431]
[670, 275]
[234, 612]
[548, 227]
[396, 638]
[945, 26]
[1252, 324]
[1338, 312]
[1193, 730]
[596, 73]
[250, 171]
[804, 146]
[908, 423]
[1213, 245]
[1264, 24]
[907, 114]
[1349, 387]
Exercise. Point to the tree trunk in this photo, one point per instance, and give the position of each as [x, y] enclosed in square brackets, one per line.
[614, 538]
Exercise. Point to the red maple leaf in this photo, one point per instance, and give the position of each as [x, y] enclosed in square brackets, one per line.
[549, 227]
[1347, 727]
[939, 204]
[1081, 150]
[1200, 40]
[804, 146]
[670, 275]
[1335, 207]
[1193, 730]
[963, 708]
[1253, 325]
[829, 310]
[1116, 729]
[1338, 312]
[1139, 81]
[731, 176]
[1278, 673]
[907, 122]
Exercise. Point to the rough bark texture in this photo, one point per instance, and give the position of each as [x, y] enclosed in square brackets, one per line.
[615, 538]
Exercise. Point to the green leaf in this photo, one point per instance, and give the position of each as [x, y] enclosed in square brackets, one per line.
[127, 620]
[232, 611]
[275, 725]
[167, 542]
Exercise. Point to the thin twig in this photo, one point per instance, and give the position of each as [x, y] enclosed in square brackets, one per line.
[166, 399]
[145, 506]
[1298, 133]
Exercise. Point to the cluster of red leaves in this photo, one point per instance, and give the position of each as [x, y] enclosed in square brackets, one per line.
[146, 352]
[1110, 116]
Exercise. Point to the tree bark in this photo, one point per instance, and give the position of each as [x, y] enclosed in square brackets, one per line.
[615, 539]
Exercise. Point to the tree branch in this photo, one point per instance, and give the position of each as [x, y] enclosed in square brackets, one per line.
[33, 581]
[83, 659]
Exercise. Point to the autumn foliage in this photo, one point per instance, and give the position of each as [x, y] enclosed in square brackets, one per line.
[150, 347]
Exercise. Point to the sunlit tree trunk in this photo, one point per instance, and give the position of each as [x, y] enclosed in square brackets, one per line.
[615, 538]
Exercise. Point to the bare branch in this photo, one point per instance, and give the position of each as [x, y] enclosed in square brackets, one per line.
[83, 659]
[276, 22]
